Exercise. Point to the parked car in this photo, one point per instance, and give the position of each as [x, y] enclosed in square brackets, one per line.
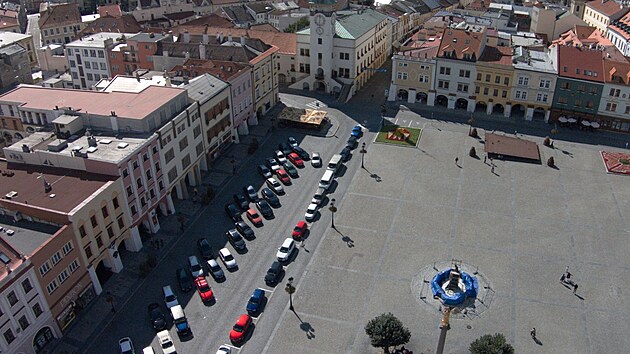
[351, 143]
[270, 197]
[285, 251]
[256, 301]
[285, 148]
[227, 258]
[196, 270]
[126, 346]
[299, 230]
[357, 131]
[265, 209]
[292, 141]
[245, 230]
[157, 317]
[204, 248]
[272, 163]
[291, 170]
[264, 171]
[215, 270]
[184, 280]
[283, 177]
[311, 211]
[166, 342]
[253, 216]
[148, 350]
[316, 160]
[224, 349]
[233, 211]
[170, 299]
[236, 240]
[318, 197]
[303, 154]
[251, 193]
[345, 154]
[275, 185]
[274, 273]
[280, 157]
[241, 201]
[241, 329]
[204, 289]
[296, 160]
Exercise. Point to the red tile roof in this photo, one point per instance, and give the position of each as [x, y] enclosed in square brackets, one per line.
[618, 26]
[122, 24]
[125, 104]
[286, 42]
[456, 43]
[497, 56]
[616, 73]
[223, 70]
[59, 15]
[582, 36]
[110, 10]
[607, 8]
[580, 63]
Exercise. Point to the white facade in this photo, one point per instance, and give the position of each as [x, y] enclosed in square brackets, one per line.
[615, 101]
[87, 58]
[621, 40]
[454, 79]
[24, 312]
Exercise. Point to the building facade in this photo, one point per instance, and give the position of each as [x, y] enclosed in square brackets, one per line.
[614, 106]
[619, 34]
[494, 81]
[601, 13]
[59, 23]
[533, 83]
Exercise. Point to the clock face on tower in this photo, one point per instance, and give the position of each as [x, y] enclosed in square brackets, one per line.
[319, 19]
[319, 30]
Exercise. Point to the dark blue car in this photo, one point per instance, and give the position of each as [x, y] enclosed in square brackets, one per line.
[357, 131]
[255, 303]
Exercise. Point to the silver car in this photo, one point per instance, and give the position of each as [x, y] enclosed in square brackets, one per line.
[316, 160]
[215, 269]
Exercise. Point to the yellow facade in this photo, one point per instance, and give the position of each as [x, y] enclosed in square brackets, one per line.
[493, 84]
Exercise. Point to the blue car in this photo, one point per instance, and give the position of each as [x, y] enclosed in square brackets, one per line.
[357, 131]
[255, 303]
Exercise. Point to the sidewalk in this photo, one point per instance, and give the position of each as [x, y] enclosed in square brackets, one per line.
[121, 286]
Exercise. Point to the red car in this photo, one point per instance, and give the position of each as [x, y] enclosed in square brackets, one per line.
[253, 216]
[283, 177]
[204, 289]
[241, 328]
[299, 230]
[296, 160]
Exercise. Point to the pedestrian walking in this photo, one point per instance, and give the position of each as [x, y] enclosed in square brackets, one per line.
[575, 287]
[533, 333]
[568, 275]
[562, 277]
[492, 169]
[457, 161]
[566, 270]
[484, 159]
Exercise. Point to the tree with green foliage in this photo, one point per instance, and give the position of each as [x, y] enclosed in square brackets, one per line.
[491, 344]
[298, 26]
[386, 331]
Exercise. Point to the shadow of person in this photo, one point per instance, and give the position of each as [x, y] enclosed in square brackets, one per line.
[348, 241]
[579, 297]
[538, 341]
[308, 329]
[376, 177]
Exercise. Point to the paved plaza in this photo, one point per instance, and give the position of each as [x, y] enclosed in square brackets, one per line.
[520, 227]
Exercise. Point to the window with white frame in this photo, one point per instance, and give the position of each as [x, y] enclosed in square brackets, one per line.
[611, 107]
[544, 83]
[402, 75]
[74, 266]
[521, 95]
[52, 286]
[55, 258]
[423, 78]
[67, 248]
[542, 97]
[523, 81]
[44, 268]
[63, 276]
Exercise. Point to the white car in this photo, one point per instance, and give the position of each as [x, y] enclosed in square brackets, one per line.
[280, 157]
[166, 342]
[316, 160]
[275, 185]
[227, 258]
[284, 252]
[215, 269]
[310, 212]
[170, 299]
[148, 350]
[196, 270]
[224, 349]
[126, 346]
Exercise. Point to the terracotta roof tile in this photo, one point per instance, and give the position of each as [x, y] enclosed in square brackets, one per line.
[461, 43]
[497, 56]
[110, 10]
[223, 70]
[59, 14]
[286, 42]
[122, 24]
[608, 8]
[616, 72]
[580, 63]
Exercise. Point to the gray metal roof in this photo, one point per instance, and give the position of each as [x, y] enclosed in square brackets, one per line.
[204, 87]
[28, 235]
[354, 25]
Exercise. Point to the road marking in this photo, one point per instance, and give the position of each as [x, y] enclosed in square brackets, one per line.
[317, 104]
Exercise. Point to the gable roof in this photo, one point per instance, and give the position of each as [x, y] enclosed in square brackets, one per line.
[110, 10]
[223, 70]
[122, 24]
[286, 42]
[238, 14]
[456, 43]
[59, 15]
[616, 72]
[608, 8]
[582, 36]
[622, 26]
[580, 63]
[353, 25]
[211, 20]
[497, 56]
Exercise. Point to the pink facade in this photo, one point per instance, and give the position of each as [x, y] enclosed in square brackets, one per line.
[242, 102]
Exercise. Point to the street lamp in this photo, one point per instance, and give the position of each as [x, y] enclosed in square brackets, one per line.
[290, 289]
[110, 299]
[333, 210]
[363, 152]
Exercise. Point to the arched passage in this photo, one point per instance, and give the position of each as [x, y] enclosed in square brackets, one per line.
[481, 107]
[498, 109]
[518, 111]
[41, 340]
[441, 100]
[461, 103]
[422, 97]
[539, 114]
[403, 94]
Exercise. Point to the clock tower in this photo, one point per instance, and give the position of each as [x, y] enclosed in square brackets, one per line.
[322, 32]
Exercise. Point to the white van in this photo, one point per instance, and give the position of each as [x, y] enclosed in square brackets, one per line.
[148, 350]
[327, 179]
[334, 163]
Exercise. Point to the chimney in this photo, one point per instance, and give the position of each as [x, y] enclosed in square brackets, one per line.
[202, 51]
[243, 40]
[221, 38]
[205, 38]
[165, 53]
[186, 37]
[230, 37]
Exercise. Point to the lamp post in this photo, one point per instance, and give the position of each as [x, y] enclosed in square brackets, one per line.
[290, 289]
[363, 152]
[110, 299]
[333, 210]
